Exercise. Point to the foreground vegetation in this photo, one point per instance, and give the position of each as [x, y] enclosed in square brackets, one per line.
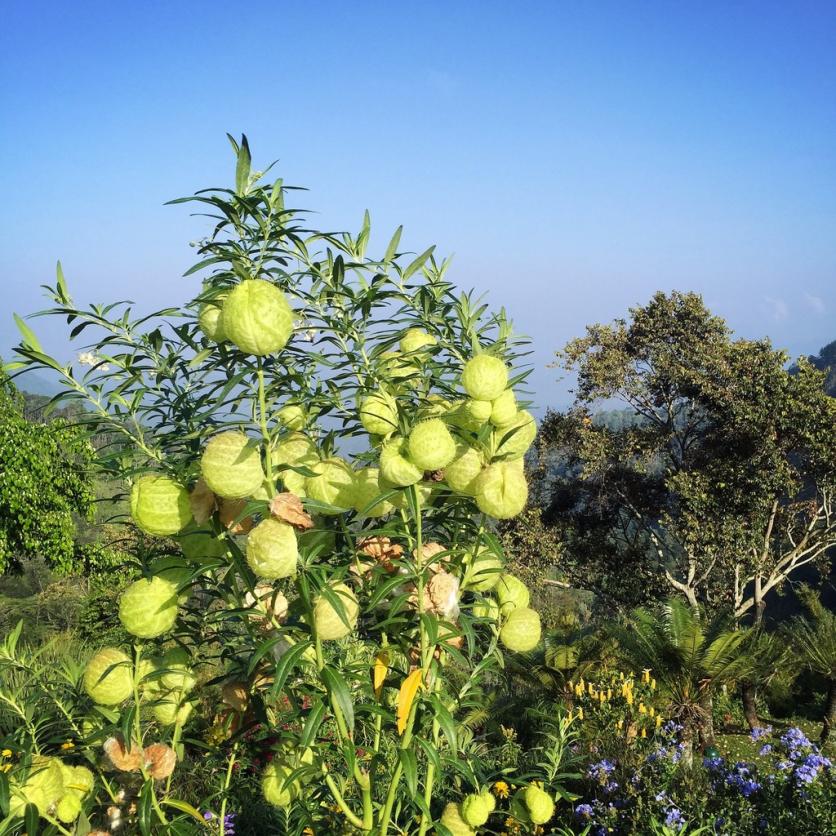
[336, 589]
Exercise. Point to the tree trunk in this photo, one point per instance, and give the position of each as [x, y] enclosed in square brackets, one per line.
[829, 712]
[749, 695]
[706, 729]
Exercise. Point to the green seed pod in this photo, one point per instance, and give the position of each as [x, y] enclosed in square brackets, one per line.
[540, 804]
[431, 447]
[178, 674]
[198, 543]
[171, 708]
[160, 505]
[435, 406]
[257, 317]
[231, 465]
[295, 449]
[276, 787]
[452, 819]
[367, 489]
[511, 593]
[521, 630]
[478, 412]
[176, 571]
[501, 491]
[78, 780]
[511, 441]
[397, 368]
[43, 787]
[292, 416]
[68, 808]
[395, 467]
[379, 413]
[504, 408]
[486, 608]
[329, 624]
[108, 677]
[461, 474]
[425, 491]
[476, 808]
[148, 607]
[149, 682]
[484, 377]
[210, 318]
[333, 484]
[483, 570]
[272, 550]
[517, 808]
[415, 339]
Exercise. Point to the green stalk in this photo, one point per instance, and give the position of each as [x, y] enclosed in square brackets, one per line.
[265, 433]
[344, 808]
[227, 781]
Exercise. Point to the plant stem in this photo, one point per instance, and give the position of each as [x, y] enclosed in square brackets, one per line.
[227, 781]
[265, 433]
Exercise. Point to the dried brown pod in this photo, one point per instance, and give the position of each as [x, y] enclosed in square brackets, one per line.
[203, 502]
[267, 602]
[288, 508]
[380, 549]
[160, 760]
[236, 695]
[123, 759]
[428, 552]
[229, 512]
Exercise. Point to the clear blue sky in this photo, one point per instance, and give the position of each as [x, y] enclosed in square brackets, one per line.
[575, 156]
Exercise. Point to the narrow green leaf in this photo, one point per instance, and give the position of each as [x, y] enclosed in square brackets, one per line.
[183, 807]
[393, 244]
[410, 770]
[30, 820]
[242, 170]
[336, 685]
[63, 294]
[418, 263]
[29, 338]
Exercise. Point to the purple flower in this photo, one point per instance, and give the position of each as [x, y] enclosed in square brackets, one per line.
[713, 764]
[760, 731]
[583, 811]
[765, 749]
[601, 771]
[674, 818]
[208, 815]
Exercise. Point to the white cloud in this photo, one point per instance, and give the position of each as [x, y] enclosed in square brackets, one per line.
[815, 303]
[778, 308]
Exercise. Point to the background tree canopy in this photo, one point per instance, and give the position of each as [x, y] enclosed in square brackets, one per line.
[45, 485]
[721, 486]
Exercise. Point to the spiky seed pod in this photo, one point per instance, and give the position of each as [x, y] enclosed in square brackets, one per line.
[292, 416]
[395, 467]
[333, 484]
[379, 413]
[478, 412]
[329, 624]
[540, 804]
[512, 440]
[148, 607]
[484, 377]
[272, 550]
[415, 339]
[431, 447]
[484, 568]
[276, 787]
[231, 465]
[476, 808]
[452, 819]
[367, 489]
[501, 490]
[294, 449]
[503, 408]
[521, 630]
[257, 317]
[486, 608]
[108, 678]
[210, 318]
[199, 543]
[178, 674]
[68, 808]
[172, 708]
[511, 593]
[462, 472]
[43, 787]
[160, 505]
[176, 571]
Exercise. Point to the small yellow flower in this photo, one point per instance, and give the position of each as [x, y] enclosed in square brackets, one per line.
[646, 675]
[644, 732]
[652, 684]
[308, 831]
[651, 711]
[609, 693]
[6, 753]
[501, 789]
[658, 720]
[620, 725]
[580, 712]
[6, 767]
[67, 744]
[642, 709]
[629, 698]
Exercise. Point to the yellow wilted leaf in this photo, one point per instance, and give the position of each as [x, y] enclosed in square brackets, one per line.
[406, 697]
[381, 666]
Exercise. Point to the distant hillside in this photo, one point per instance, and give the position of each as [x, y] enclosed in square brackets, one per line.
[36, 384]
[826, 361]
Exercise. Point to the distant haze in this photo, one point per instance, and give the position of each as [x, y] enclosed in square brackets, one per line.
[575, 157]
